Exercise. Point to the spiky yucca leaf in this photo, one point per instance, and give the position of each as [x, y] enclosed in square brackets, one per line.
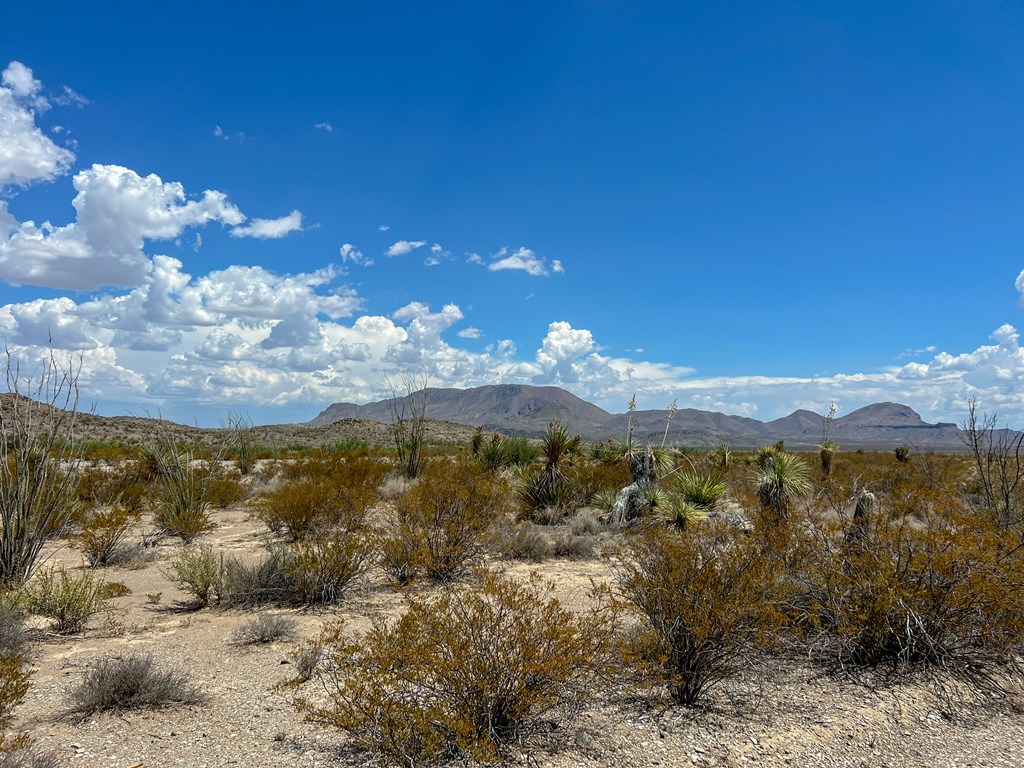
[703, 490]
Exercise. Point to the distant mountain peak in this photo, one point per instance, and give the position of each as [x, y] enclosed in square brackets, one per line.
[527, 410]
[884, 415]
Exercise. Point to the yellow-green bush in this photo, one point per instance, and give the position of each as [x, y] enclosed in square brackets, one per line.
[706, 596]
[442, 524]
[331, 492]
[69, 601]
[468, 673]
[942, 591]
[101, 534]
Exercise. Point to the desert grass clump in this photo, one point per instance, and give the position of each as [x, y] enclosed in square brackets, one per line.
[131, 682]
[69, 601]
[469, 673]
[704, 598]
[101, 535]
[264, 629]
[442, 524]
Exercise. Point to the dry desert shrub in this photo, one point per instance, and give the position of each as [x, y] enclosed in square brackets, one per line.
[705, 598]
[322, 569]
[468, 673]
[101, 535]
[130, 682]
[442, 524]
[522, 541]
[909, 594]
[262, 630]
[331, 492]
[14, 679]
[13, 687]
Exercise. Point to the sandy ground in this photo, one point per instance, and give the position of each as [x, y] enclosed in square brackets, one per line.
[784, 714]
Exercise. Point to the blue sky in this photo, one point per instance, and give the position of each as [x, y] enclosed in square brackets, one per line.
[746, 207]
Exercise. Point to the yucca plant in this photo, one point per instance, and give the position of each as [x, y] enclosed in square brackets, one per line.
[182, 504]
[721, 456]
[552, 487]
[780, 482]
[826, 452]
[696, 495]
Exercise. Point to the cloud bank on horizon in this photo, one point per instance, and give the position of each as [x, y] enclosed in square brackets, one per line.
[153, 333]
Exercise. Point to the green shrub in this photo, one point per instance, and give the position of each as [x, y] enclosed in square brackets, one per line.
[469, 673]
[69, 601]
[131, 682]
[705, 599]
[197, 570]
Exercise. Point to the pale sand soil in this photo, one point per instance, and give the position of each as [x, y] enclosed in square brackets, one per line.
[787, 715]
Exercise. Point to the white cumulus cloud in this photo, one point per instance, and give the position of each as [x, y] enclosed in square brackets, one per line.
[403, 247]
[27, 155]
[270, 229]
[524, 260]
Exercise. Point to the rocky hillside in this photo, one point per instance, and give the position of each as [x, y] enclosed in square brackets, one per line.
[527, 410]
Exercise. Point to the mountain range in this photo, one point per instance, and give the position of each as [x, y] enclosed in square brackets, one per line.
[527, 410]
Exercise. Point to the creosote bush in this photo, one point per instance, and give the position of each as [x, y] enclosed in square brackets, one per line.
[131, 682]
[910, 594]
[68, 600]
[704, 597]
[442, 524]
[468, 673]
[332, 492]
[101, 535]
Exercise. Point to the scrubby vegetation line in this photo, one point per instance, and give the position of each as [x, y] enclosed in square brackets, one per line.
[906, 563]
